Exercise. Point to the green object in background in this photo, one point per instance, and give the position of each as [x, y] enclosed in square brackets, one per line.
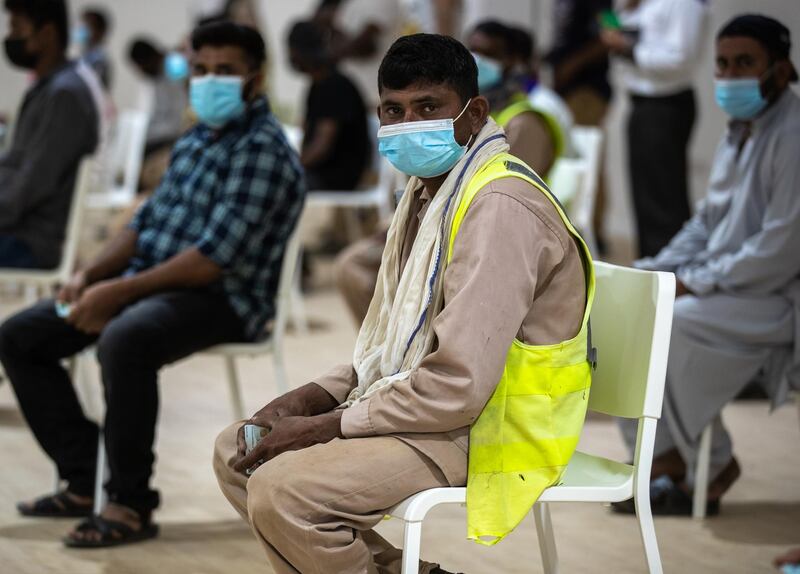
[610, 20]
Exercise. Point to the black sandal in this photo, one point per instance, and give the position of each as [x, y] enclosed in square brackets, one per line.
[112, 533]
[58, 505]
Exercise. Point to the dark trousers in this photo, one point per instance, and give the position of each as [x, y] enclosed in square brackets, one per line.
[15, 254]
[659, 129]
[131, 349]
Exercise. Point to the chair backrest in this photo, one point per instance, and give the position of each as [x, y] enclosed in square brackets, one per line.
[84, 182]
[284, 296]
[126, 152]
[588, 143]
[631, 326]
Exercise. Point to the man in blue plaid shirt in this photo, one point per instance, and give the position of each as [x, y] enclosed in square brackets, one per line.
[198, 266]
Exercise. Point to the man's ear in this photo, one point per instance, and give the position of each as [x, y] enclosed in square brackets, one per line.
[783, 71]
[256, 85]
[478, 111]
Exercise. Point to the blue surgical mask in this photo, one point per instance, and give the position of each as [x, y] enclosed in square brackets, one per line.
[217, 100]
[741, 99]
[490, 72]
[423, 149]
[176, 67]
[81, 36]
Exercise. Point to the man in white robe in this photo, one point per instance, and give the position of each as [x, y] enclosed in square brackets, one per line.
[737, 262]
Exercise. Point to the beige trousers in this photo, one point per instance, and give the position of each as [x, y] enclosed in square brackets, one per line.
[313, 510]
[357, 274]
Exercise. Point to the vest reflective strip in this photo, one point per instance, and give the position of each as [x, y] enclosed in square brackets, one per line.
[520, 106]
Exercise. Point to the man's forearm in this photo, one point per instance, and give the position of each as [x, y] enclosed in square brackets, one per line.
[114, 258]
[189, 269]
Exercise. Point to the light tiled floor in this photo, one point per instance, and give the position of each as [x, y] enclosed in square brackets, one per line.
[201, 534]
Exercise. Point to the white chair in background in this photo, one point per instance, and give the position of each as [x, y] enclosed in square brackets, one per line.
[703, 466]
[631, 323]
[122, 162]
[39, 282]
[270, 343]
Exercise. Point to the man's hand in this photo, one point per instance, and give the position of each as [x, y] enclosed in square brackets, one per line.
[306, 401]
[98, 305]
[617, 42]
[681, 289]
[293, 433]
[72, 290]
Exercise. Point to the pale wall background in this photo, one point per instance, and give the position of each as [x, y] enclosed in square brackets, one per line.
[169, 20]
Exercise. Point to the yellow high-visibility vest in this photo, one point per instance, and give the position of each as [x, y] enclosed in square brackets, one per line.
[522, 441]
[521, 104]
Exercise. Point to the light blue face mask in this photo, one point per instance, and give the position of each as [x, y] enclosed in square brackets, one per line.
[422, 149]
[490, 72]
[217, 100]
[176, 67]
[81, 36]
[741, 99]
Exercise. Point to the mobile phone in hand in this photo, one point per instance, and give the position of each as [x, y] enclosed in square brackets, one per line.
[252, 436]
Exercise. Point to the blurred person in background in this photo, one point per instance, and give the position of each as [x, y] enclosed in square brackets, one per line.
[336, 145]
[580, 65]
[737, 268]
[91, 35]
[535, 136]
[164, 95]
[660, 41]
[544, 100]
[57, 125]
[198, 266]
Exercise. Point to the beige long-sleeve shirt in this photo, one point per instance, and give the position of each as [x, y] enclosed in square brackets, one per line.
[516, 272]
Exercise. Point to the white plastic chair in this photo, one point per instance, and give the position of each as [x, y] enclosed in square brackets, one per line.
[123, 162]
[37, 282]
[703, 466]
[271, 343]
[379, 196]
[631, 322]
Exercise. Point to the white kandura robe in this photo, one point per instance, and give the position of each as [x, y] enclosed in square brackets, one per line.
[740, 256]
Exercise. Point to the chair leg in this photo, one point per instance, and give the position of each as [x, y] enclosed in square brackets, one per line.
[547, 541]
[235, 388]
[645, 516]
[100, 475]
[297, 307]
[412, 541]
[701, 474]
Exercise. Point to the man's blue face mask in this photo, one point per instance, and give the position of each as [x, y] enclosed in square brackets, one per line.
[422, 149]
[490, 72]
[176, 67]
[741, 99]
[217, 100]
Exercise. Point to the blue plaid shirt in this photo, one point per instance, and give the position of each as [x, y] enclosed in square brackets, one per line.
[236, 196]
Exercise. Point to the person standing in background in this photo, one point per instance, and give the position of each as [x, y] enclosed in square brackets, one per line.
[661, 40]
[90, 35]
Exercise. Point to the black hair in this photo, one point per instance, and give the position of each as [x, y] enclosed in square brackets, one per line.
[219, 34]
[142, 51]
[43, 12]
[497, 30]
[770, 33]
[522, 43]
[307, 39]
[98, 19]
[429, 59]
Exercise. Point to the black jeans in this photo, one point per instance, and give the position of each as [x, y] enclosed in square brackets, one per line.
[659, 129]
[131, 349]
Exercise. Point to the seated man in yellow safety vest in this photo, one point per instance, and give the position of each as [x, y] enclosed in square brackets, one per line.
[473, 358]
[535, 134]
